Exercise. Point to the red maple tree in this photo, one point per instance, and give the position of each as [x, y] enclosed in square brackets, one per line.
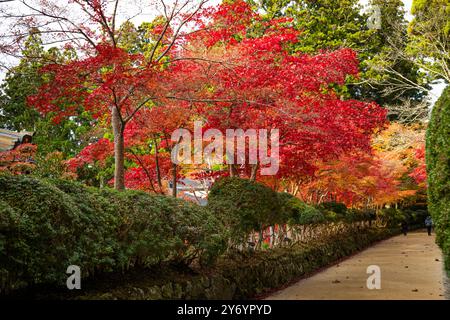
[234, 71]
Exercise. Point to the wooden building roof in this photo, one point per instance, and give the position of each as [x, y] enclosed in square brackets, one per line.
[10, 139]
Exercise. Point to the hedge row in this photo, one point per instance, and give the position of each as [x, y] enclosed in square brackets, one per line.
[45, 226]
[438, 171]
[246, 207]
[245, 276]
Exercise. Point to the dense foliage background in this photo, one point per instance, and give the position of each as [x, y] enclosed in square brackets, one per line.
[438, 167]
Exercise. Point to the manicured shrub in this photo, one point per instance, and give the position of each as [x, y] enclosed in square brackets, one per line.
[286, 211]
[355, 215]
[45, 226]
[298, 212]
[416, 215]
[337, 207]
[151, 228]
[244, 206]
[332, 211]
[438, 171]
[101, 225]
[392, 216]
[8, 230]
[43, 235]
[158, 228]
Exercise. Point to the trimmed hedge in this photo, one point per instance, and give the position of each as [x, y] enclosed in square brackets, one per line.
[297, 212]
[244, 206]
[336, 207]
[438, 171]
[45, 226]
[40, 238]
[243, 277]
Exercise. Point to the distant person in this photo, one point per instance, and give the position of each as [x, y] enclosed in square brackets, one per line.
[429, 224]
[405, 227]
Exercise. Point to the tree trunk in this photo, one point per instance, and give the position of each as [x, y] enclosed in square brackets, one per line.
[158, 171]
[254, 172]
[233, 171]
[174, 180]
[119, 150]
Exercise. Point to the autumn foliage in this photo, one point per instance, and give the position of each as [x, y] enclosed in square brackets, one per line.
[236, 71]
[19, 160]
[392, 172]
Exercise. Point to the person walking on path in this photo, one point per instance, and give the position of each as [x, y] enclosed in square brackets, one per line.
[405, 227]
[429, 224]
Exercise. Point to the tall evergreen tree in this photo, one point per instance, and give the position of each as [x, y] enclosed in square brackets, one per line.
[23, 81]
[20, 82]
[333, 24]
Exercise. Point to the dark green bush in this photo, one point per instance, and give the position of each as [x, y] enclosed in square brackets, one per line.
[298, 212]
[244, 206]
[286, 211]
[44, 231]
[45, 226]
[355, 215]
[392, 216]
[416, 215]
[158, 228]
[438, 171]
[100, 226]
[332, 211]
[9, 219]
[336, 207]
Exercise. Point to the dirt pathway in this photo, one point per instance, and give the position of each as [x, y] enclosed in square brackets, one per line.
[411, 268]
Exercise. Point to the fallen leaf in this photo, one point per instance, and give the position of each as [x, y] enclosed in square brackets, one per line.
[336, 281]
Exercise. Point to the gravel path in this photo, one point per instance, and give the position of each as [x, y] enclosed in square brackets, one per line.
[411, 268]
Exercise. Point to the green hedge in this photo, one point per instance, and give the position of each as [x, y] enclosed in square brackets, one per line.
[40, 230]
[45, 226]
[242, 277]
[244, 206]
[416, 215]
[438, 171]
[336, 207]
[297, 212]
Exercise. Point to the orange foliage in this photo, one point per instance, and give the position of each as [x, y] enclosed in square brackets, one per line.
[392, 172]
[19, 160]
